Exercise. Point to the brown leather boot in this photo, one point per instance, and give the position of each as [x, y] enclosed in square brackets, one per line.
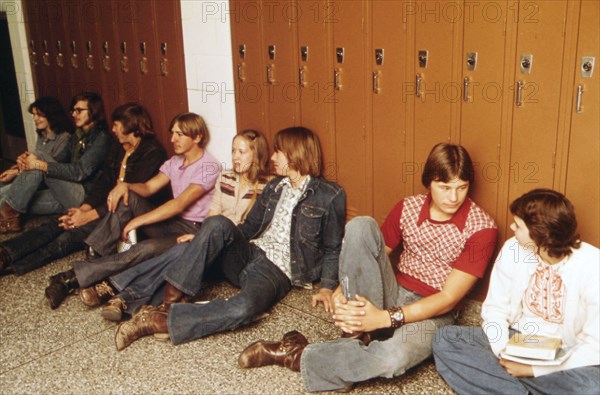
[142, 324]
[172, 295]
[10, 219]
[286, 352]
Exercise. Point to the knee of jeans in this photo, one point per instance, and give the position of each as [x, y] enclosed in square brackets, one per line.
[360, 229]
[216, 222]
[445, 338]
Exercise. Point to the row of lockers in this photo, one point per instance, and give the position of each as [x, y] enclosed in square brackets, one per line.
[125, 51]
[383, 81]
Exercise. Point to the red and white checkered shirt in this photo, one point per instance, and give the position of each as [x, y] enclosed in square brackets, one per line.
[432, 248]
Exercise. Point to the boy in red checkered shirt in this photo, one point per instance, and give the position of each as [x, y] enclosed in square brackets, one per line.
[447, 242]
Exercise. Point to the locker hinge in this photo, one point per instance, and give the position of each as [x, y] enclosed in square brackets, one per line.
[498, 153]
[554, 159]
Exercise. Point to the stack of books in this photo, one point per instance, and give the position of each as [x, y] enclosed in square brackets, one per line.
[535, 350]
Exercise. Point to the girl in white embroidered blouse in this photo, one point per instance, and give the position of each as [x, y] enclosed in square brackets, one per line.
[544, 283]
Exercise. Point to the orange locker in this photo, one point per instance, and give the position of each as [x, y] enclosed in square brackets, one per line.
[351, 129]
[537, 88]
[279, 54]
[583, 163]
[483, 66]
[315, 78]
[433, 86]
[391, 170]
[248, 65]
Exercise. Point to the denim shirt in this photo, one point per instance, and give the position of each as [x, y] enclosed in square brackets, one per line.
[317, 229]
[84, 158]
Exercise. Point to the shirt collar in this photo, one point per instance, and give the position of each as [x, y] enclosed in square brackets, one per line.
[286, 181]
[459, 219]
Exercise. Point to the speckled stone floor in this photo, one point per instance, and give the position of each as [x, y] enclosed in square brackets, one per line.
[71, 349]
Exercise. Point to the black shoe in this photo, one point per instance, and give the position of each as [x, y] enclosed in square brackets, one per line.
[56, 294]
[67, 278]
[91, 254]
[61, 285]
[8, 270]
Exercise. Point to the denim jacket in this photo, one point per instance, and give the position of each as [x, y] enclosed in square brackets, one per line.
[91, 152]
[316, 233]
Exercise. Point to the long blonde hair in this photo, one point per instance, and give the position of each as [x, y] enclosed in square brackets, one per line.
[259, 170]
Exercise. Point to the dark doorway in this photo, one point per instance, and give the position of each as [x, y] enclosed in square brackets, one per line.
[12, 132]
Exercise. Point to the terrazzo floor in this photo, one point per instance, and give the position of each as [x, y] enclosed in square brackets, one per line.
[71, 349]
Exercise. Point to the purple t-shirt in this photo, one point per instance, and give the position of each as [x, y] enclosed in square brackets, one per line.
[204, 172]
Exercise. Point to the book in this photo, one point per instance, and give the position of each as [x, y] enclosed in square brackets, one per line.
[561, 356]
[533, 346]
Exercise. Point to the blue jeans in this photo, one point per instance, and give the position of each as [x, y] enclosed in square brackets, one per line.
[25, 196]
[464, 358]
[219, 242]
[106, 235]
[144, 283]
[339, 363]
[43, 244]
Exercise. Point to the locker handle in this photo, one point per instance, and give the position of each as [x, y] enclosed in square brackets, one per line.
[301, 76]
[270, 78]
[519, 95]
[376, 88]
[240, 71]
[466, 83]
[337, 79]
[579, 106]
[418, 79]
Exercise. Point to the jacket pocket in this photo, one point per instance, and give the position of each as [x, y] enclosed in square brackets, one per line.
[311, 218]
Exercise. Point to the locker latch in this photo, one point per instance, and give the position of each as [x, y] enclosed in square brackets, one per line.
[339, 54]
[46, 55]
[144, 59]
[242, 51]
[124, 61]
[105, 57]
[271, 51]
[164, 62]
[304, 53]
[89, 60]
[526, 63]
[74, 59]
[33, 54]
[587, 66]
[379, 56]
[60, 59]
[423, 55]
[471, 61]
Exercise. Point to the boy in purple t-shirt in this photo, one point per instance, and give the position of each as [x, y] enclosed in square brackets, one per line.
[192, 173]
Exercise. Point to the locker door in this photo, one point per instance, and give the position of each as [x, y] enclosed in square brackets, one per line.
[387, 67]
[128, 54]
[349, 43]
[171, 67]
[315, 77]
[538, 72]
[483, 67]
[148, 68]
[109, 54]
[248, 65]
[281, 88]
[583, 180]
[35, 30]
[432, 87]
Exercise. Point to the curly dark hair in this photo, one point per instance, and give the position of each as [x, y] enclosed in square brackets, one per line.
[58, 118]
[550, 218]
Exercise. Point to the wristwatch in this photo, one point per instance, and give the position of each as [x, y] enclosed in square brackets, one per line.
[396, 316]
